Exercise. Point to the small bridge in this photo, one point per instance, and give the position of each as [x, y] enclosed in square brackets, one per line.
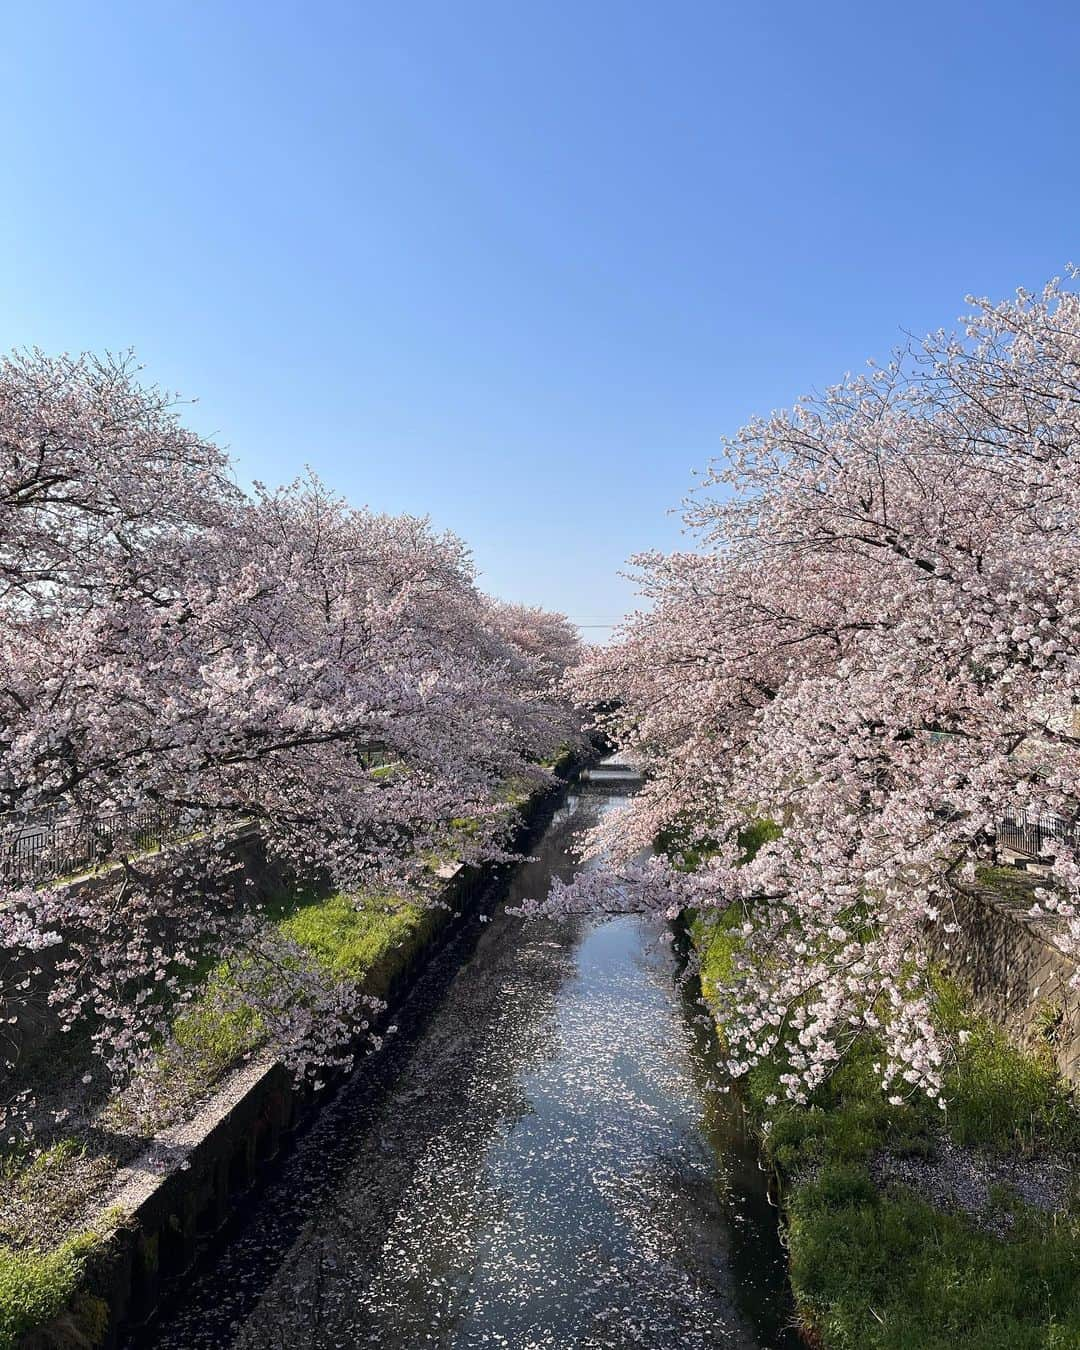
[614, 777]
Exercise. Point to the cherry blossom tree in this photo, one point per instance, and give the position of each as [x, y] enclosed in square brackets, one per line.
[100, 484]
[169, 643]
[547, 646]
[875, 647]
[549, 639]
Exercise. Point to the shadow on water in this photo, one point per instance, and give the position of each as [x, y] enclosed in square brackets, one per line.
[542, 1158]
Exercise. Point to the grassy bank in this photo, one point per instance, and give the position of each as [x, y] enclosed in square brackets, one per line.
[361, 942]
[36, 1286]
[881, 1264]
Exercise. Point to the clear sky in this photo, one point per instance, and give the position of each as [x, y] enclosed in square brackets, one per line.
[519, 265]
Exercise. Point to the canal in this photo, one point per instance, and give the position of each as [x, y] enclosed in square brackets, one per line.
[542, 1158]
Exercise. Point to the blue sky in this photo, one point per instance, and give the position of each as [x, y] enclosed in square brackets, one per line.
[519, 265]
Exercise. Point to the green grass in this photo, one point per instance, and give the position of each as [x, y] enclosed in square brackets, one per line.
[1000, 1097]
[686, 848]
[348, 937]
[361, 940]
[561, 760]
[1012, 884]
[36, 1286]
[27, 1173]
[364, 941]
[715, 936]
[883, 1270]
[514, 792]
[215, 1031]
[717, 941]
[755, 835]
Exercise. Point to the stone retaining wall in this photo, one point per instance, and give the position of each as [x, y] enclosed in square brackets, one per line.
[36, 1023]
[1017, 972]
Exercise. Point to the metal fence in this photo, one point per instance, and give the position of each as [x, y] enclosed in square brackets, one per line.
[1034, 836]
[54, 842]
[46, 845]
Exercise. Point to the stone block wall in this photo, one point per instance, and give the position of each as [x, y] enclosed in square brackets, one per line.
[1018, 973]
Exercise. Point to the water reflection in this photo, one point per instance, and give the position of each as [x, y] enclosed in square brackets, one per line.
[545, 1164]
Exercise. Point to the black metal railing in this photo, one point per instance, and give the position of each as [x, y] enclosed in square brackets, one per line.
[40, 847]
[56, 841]
[1035, 836]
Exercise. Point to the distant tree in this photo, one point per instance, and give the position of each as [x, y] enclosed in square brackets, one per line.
[548, 646]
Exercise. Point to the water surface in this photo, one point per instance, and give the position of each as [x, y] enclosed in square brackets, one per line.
[543, 1159]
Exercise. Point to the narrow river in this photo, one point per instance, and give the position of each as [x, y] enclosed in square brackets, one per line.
[542, 1159]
